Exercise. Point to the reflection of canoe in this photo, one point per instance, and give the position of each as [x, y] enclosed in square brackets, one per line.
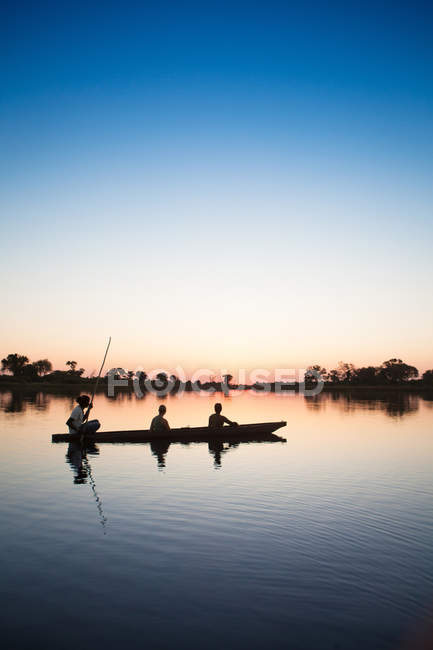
[187, 434]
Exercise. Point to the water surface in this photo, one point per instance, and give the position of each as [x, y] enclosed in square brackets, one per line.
[324, 541]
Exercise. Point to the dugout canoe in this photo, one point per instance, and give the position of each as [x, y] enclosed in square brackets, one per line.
[253, 432]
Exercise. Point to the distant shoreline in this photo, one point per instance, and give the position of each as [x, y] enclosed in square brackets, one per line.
[87, 385]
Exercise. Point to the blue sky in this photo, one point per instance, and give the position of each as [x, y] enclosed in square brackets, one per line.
[178, 170]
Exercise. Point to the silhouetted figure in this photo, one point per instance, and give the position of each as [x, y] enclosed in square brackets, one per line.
[216, 420]
[159, 450]
[77, 422]
[159, 424]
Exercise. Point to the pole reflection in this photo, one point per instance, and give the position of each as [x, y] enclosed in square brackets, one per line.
[76, 457]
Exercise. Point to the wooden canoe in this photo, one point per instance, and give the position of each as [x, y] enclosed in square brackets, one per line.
[188, 434]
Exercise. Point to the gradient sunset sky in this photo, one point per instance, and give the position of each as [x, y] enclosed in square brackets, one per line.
[217, 185]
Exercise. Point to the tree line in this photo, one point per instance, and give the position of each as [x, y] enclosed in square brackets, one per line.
[20, 367]
[391, 372]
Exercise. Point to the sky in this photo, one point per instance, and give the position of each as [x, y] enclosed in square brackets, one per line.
[217, 185]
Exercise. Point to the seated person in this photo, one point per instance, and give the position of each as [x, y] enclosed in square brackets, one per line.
[159, 424]
[216, 420]
[77, 422]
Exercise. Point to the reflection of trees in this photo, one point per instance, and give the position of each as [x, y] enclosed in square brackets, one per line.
[406, 403]
[428, 399]
[315, 402]
[16, 401]
[123, 396]
[13, 402]
[41, 401]
[394, 403]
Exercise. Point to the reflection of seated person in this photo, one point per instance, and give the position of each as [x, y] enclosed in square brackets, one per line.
[159, 424]
[159, 449]
[77, 452]
[216, 448]
[216, 420]
[74, 457]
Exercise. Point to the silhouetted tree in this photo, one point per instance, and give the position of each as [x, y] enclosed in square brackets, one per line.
[72, 365]
[346, 372]
[29, 371]
[161, 382]
[119, 373]
[43, 366]
[428, 377]
[14, 363]
[333, 376]
[342, 374]
[314, 373]
[142, 375]
[367, 375]
[395, 371]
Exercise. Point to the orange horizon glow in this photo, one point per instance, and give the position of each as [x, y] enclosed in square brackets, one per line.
[90, 361]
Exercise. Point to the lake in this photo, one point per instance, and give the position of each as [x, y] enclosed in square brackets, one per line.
[321, 542]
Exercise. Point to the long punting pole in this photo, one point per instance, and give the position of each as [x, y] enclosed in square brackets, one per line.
[99, 376]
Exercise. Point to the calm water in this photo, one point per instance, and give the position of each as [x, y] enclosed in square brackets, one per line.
[324, 541]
